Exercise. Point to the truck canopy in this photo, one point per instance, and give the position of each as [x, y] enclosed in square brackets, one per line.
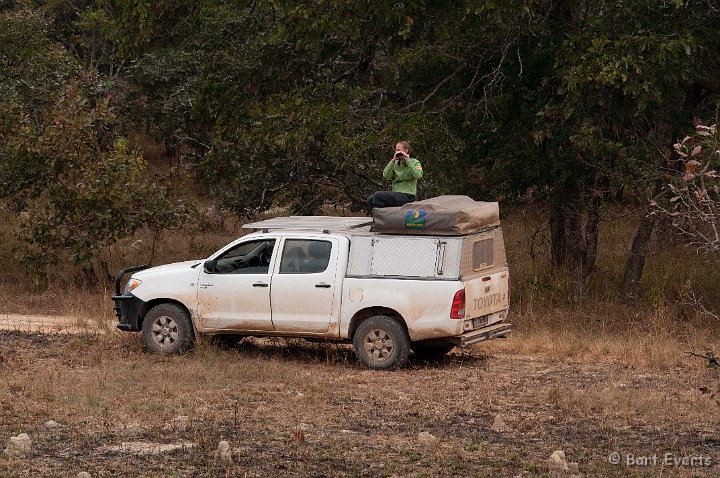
[446, 237]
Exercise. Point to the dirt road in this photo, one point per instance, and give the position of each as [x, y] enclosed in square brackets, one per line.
[50, 324]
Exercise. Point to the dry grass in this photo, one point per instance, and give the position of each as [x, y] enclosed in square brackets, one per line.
[671, 270]
[103, 390]
[611, 333]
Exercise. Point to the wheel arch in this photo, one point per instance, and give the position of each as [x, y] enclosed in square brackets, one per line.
[364, 314]
[152, 303]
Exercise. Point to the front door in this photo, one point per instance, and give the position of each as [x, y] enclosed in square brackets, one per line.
[303, 290]
[235, 295]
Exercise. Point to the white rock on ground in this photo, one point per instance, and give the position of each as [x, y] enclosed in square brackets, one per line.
[145, 447]
[51, 424]
[224, 453]
[559, 467]
[428, 439]
[83, 474]
[18, 446]
[557, 461]
[498, 424]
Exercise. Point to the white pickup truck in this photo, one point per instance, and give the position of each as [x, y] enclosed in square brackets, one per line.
[327, 278]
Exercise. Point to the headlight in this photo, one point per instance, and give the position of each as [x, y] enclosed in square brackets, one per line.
[132, 284]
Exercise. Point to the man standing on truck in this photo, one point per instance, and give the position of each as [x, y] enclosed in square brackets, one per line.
[404, 172]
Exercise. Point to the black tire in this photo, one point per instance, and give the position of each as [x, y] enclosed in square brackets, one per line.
[428, 349]
[381, 343]
[167, 330]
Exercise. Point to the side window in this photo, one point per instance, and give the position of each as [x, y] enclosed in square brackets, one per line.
[247, 258]
[483, 254]
[302, 256]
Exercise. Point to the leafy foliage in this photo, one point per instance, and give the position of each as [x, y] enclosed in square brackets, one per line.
[97, 194]
[300, 103]
[64, 166]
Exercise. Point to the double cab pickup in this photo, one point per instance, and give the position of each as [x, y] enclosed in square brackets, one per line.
[328, 278]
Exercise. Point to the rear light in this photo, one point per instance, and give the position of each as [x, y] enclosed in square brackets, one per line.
[457, 311]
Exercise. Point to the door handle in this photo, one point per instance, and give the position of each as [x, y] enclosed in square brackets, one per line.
[260, 284]
[323, 285]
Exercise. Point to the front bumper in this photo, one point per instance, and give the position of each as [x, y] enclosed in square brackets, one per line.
[494, 331]
[127, 306]
[127, 309]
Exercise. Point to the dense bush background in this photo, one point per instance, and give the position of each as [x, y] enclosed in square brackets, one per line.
[137, 117]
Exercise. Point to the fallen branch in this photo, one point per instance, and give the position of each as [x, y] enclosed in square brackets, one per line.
[710, 359]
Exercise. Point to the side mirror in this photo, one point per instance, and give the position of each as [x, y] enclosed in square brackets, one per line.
[210, 266]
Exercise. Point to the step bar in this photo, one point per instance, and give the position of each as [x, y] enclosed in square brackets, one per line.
[494, 331]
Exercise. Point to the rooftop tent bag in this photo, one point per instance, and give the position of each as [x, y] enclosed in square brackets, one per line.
[442, 215]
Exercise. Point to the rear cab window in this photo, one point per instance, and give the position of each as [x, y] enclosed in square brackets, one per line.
[483, 254]
[305, 256]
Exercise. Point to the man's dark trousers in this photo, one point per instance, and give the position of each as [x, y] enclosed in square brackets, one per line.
[389, 199]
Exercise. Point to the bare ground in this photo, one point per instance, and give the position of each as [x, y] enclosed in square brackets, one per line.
[294, 408]
[50, 324]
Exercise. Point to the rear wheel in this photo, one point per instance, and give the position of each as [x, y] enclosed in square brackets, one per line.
[167, 329]
[430, 349]
[382, 343]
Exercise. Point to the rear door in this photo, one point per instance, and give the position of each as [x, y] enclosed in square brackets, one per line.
[304, 292]
[486, 295]
[486, 291]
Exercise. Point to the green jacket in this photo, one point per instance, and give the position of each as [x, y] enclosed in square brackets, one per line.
[404, 175]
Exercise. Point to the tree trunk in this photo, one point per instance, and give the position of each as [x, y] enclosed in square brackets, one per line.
[635, 263]
[636, 259]
[581, 219]
[558, 246]
[572, 222]
[591, 231]
[695, 93]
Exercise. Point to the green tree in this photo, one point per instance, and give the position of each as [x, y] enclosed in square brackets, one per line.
[64, 163]
[94, 188]
[618, 87]
[303, 103]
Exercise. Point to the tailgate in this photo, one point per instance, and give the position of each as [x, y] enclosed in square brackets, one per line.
[486, 294]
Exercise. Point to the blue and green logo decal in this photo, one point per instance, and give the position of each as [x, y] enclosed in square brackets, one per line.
[415, 220]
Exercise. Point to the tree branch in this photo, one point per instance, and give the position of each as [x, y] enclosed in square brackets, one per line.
[437, 88]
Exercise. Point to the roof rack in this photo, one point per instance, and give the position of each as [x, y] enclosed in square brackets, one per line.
[310, 223]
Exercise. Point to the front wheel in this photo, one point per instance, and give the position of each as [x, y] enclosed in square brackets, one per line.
[381, 343]
[167, 329]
